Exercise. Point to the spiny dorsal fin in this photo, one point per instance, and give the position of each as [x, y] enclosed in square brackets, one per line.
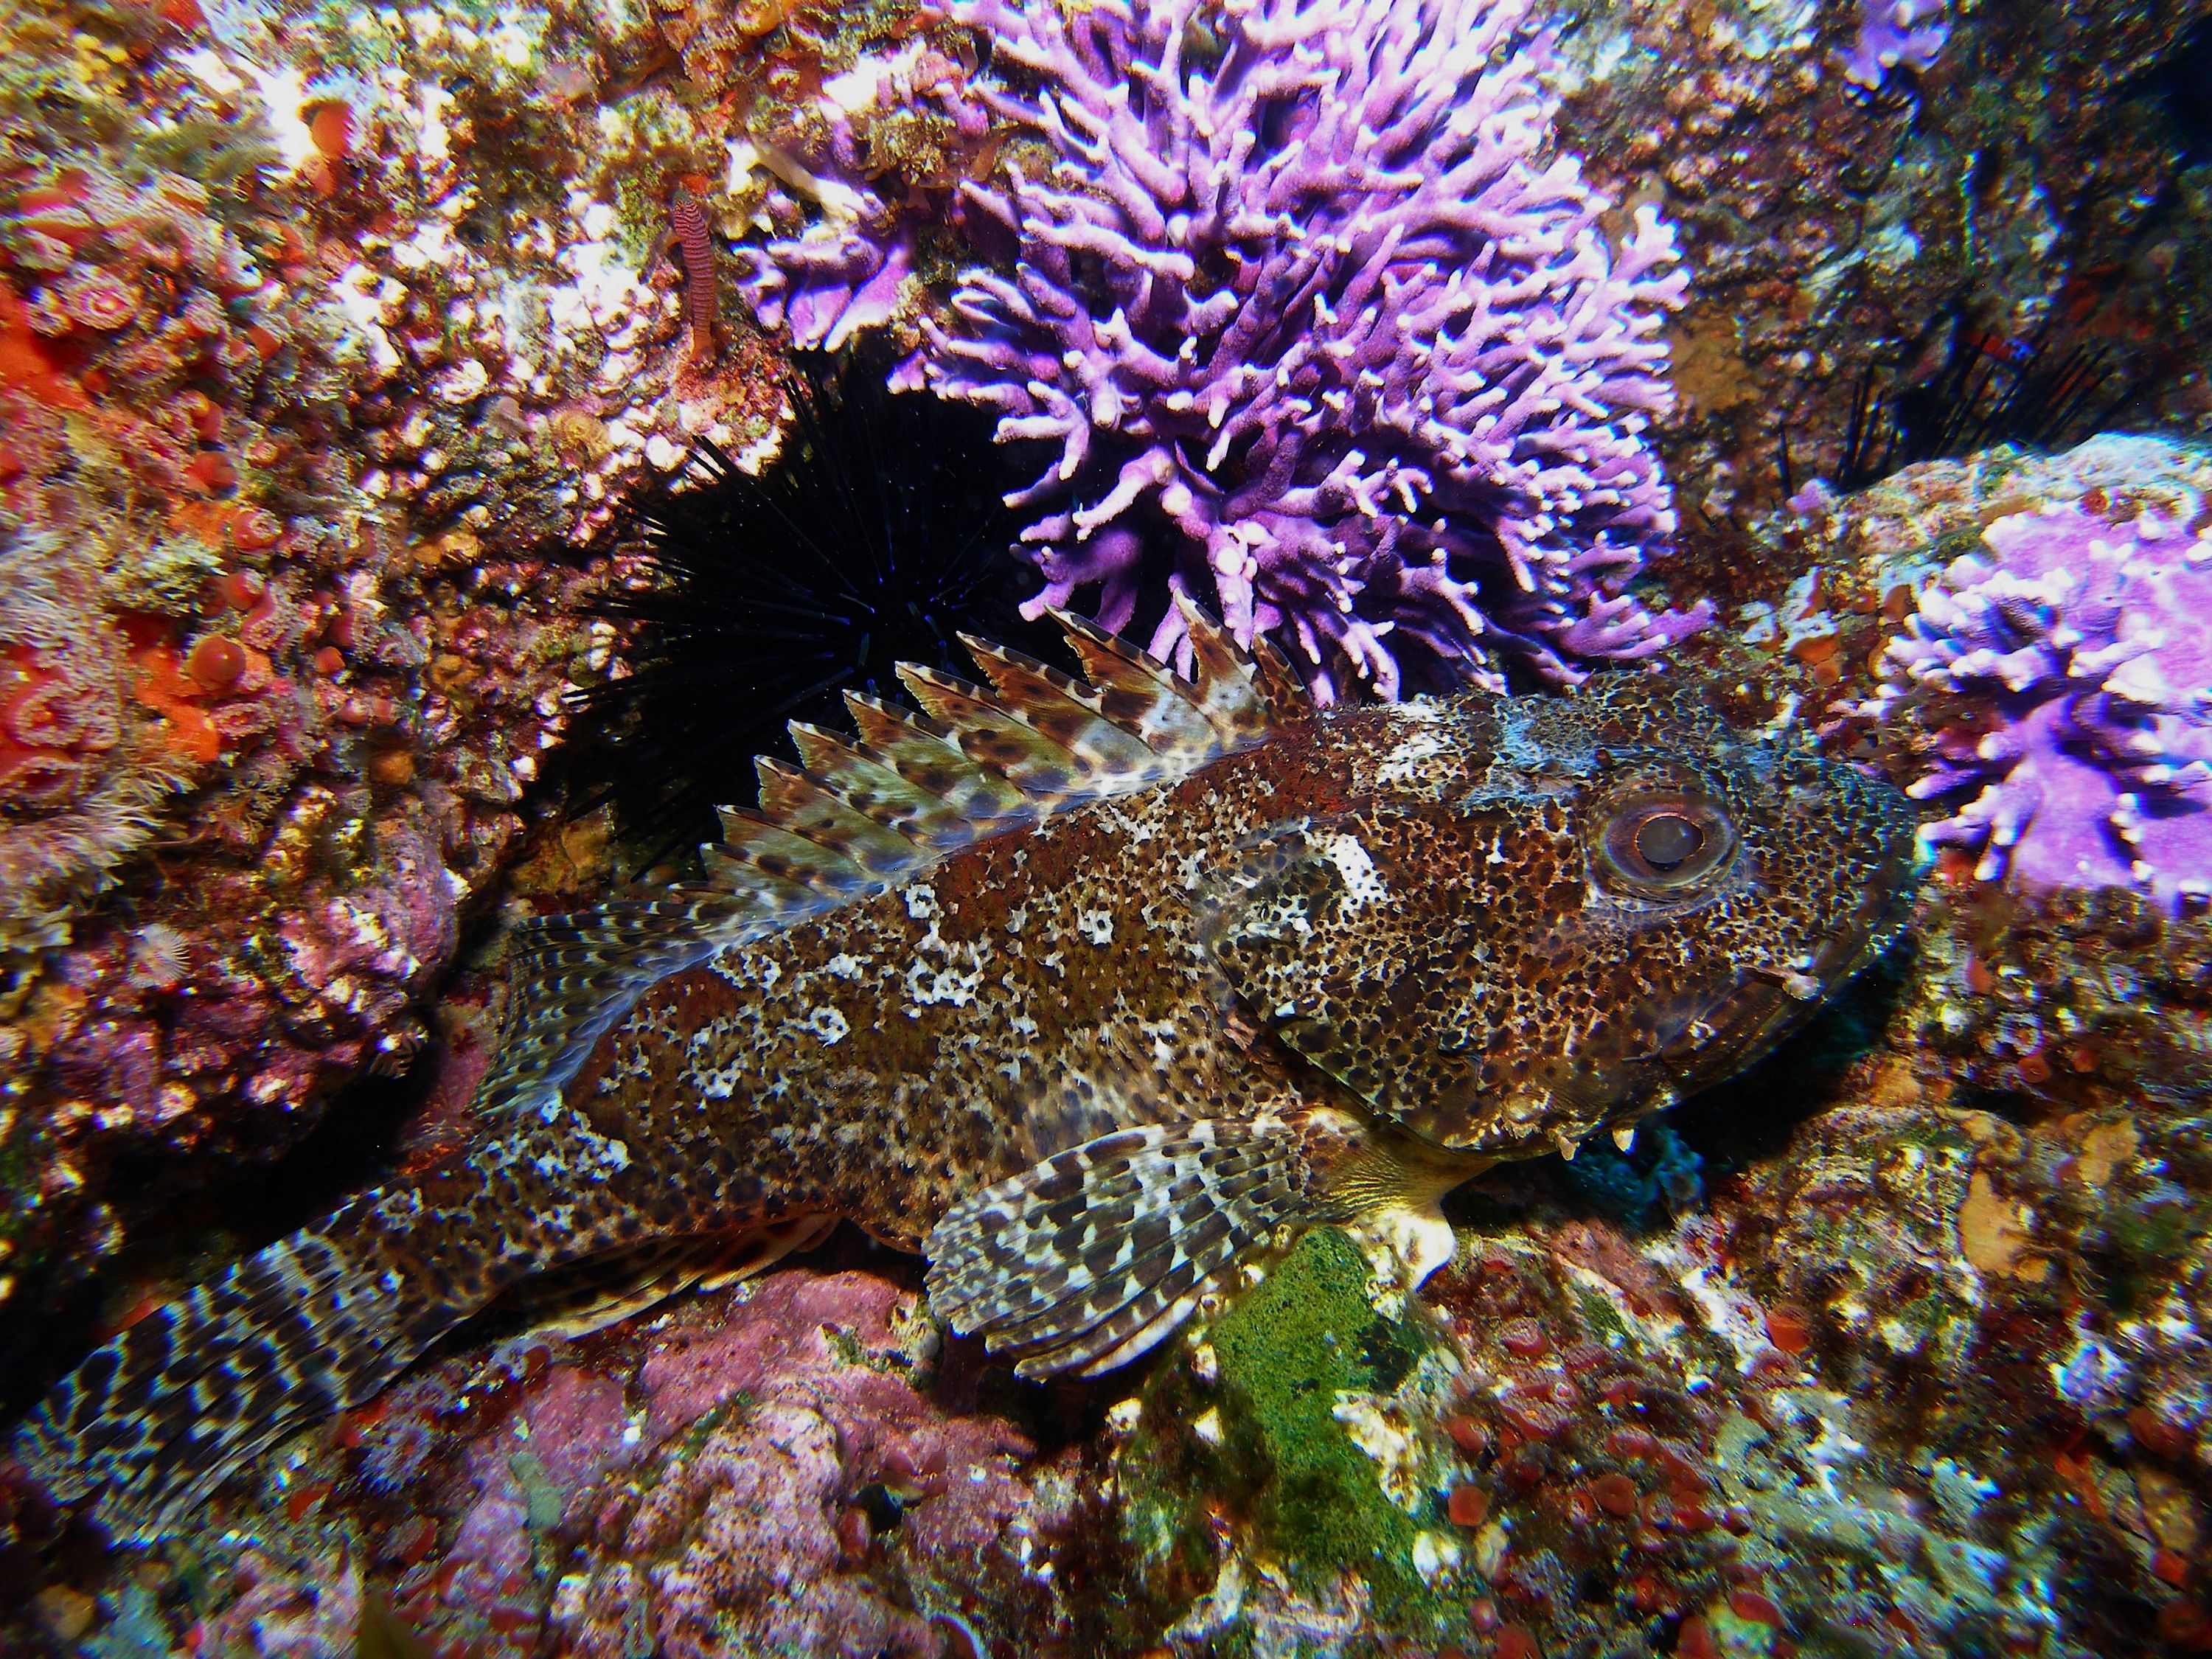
[872, 787]
[1070, 715]
[923, 752]
[1142, 695]
[885, 808]
[1246, 694]
[996, 737]
[810, 809]
[753, 838]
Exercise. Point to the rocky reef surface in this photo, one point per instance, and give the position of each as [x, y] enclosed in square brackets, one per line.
[333, 339]
[1854, 1356]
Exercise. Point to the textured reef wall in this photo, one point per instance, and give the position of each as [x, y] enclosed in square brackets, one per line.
[269, 699]
[1835, 226]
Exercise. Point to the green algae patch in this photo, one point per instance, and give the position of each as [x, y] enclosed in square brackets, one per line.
[1260, 1446]
[1304, 1334]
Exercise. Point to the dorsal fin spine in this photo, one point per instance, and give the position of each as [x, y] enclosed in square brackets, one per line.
[807, 807]
[995, 737]
[1116, 756]
[782, 852]
[966, 767]
[1143, 693]
[871, 786]
[922, 752]
[1228, 690]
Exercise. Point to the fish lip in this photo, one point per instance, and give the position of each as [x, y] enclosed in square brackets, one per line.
[1763, 1007]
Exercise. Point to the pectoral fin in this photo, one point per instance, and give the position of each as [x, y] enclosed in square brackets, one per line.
[1088, 1259]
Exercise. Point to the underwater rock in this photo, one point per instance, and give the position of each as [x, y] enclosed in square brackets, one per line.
[284, 1614]
[2065, 973]
[1279, 1469]
[768, 1471]
[1836, 229]
[2060, 995]
[82, 781]
[321, 331]
[1363, 365]
[268, 704]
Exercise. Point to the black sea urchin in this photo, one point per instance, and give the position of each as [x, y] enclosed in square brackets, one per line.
[877, 535]
[1983, 391]
[1987, 392]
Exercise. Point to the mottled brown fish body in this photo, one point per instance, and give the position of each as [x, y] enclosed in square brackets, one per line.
[1085, 989]
[1030, 994]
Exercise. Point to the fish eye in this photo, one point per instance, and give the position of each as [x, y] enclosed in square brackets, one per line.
[1666, 840]
[1660, 843]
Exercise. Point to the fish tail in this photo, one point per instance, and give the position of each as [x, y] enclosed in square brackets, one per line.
[168, 1407]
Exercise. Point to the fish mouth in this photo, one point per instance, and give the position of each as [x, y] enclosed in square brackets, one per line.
[1764, 1005]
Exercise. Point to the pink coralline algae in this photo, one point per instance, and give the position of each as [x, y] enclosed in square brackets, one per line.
[1299, 303]
[366, 954]
[751, 1544]
[766, 1473]
[2062, 676]
[288, 1615]
[1894, 34]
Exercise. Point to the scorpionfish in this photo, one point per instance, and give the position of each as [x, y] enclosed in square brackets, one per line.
[1086, 990]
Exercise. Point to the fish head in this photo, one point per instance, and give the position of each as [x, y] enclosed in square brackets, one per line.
[1539, 917]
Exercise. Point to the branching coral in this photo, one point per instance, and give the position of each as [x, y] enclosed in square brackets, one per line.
[1299, 302]
[2059, 681]
[843, 244]
[842, 269]
[1892, 34]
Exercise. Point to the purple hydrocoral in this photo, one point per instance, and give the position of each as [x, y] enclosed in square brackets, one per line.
[2063, 687]
[843, 266]
[1892, 33]
[1301, 306]
[844, 269]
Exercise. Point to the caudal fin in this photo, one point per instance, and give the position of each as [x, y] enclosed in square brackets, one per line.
[163, 1412]
[154, 1418]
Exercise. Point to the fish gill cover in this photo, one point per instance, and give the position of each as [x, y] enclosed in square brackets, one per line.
[1317, 325]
